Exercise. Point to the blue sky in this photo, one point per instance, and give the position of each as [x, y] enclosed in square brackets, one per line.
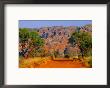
[45, 23]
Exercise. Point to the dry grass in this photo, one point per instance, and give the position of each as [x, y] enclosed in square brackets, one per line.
[32, 62]
[88, 61]
[47, 62]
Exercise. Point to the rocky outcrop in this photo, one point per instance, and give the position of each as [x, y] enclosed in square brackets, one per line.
[56, 38]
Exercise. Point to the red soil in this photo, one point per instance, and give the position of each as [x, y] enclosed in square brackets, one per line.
[62, 64]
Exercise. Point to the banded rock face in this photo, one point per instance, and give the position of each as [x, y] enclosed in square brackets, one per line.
[56, 38]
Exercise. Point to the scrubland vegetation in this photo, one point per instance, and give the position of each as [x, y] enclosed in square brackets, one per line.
[69, 47]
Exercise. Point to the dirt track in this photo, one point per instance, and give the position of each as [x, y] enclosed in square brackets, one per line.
[61, 64]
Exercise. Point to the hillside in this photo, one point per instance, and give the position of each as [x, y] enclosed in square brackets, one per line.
[57, 37]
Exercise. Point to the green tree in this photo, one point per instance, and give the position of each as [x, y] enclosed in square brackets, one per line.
[23, 34]
[34, 41]
[84, 41]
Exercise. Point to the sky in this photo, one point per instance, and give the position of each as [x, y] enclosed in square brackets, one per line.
[49, 23]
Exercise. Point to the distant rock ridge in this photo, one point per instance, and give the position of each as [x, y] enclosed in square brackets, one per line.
[56, 37]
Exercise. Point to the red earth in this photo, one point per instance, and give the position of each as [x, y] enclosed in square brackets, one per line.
[62, 64]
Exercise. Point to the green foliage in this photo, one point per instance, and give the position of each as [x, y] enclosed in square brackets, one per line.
[35, 42]
[84, 41]
[23, 34]
[72, 40]
[35, 38]
[36, 52]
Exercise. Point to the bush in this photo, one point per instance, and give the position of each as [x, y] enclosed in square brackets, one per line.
[31, 41]
[83, 40]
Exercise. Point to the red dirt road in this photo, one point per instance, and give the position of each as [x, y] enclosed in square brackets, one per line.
[62, 64]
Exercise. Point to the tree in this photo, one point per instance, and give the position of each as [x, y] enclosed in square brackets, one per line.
[23, 34]
[84, 41]
[31, 42]
[36, 39]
